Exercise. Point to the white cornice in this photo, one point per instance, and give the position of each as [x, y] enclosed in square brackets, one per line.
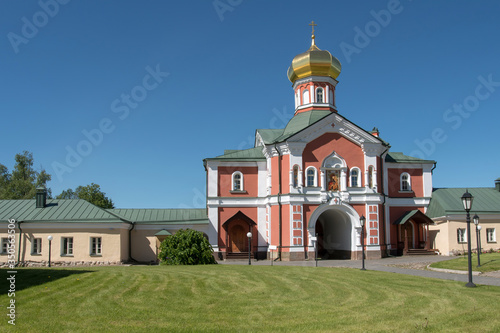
[308, 79]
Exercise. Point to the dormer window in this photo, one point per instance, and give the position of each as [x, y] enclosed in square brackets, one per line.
[237, 181]
[319, 95]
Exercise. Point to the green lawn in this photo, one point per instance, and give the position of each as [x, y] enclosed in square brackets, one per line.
[489, 262]
[227, 298]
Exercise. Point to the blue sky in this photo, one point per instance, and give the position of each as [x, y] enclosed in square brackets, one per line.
[143, 91]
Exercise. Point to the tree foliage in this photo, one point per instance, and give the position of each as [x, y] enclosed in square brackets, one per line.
[24, 179]
[186, 247]
[92, 193]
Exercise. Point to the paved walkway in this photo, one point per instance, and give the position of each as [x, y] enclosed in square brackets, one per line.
[410, 265]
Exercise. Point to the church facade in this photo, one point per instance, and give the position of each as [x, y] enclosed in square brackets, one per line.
[303, 189]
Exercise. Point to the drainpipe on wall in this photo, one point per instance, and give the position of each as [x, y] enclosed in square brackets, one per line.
[279, 204]
[130, 243]
[20, 243]
[383, 204]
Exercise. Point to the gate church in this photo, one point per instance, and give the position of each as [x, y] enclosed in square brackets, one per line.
[310, 183]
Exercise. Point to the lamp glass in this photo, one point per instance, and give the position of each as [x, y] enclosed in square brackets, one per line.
[50, 238]
[467, 200]
[479, 227]
[476, 219]
[362, 220]
[249, 234]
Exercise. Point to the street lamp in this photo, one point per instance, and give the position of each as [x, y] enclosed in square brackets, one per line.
[478, 241]
[249, 235]
[50, 245]
[362, 221]
[467, 199]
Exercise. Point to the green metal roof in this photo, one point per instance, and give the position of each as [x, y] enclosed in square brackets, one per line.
[163, 216]
[395, 157]
[269, 136]
[301, 121]
[56, 210]
[252, 154]
[417, 216]
[163, 232]
[446, 201]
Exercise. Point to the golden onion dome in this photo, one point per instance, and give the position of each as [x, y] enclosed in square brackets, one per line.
[314, 62]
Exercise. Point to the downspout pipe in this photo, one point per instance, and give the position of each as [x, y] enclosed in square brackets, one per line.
[382, 160]
[280, 222]
[130, 242]
[20, 243]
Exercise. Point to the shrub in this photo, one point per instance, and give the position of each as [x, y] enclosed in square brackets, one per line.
[186, 247]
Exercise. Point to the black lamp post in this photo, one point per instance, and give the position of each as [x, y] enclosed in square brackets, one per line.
[50, 245]
[478, 238]
[467, 199]
[249, 235]
[362, 221]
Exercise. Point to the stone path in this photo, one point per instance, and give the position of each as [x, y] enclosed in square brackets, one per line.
[410, 265]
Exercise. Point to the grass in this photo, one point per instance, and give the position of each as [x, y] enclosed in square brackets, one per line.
[230, 298]
[489, 262]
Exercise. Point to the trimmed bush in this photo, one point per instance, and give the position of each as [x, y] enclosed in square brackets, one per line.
[186, 247]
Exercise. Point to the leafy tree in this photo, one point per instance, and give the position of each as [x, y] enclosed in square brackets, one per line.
[186, 247]
[24, 179]
[92, 193]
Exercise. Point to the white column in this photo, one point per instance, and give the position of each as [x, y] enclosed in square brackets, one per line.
[327, 94]
[322, 180]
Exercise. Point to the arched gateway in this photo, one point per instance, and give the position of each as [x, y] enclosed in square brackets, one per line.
[338, 231]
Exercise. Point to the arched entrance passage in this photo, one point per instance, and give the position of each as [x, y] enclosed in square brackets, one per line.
[338, 230]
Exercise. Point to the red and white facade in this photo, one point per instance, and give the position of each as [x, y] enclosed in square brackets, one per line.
[305, 188]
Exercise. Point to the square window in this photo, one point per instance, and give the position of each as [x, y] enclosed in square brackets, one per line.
[461, 235]
[5, 243]
[491, 235]
[36, 246]
[95, 245]
[67, 246]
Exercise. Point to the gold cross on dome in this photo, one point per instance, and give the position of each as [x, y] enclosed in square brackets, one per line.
[312, 24]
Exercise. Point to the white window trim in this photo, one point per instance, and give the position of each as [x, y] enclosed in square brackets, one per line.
[464, 236]
[401, 182]
[295, 167]
[359, 177]
[315, 178]
[36, 250]
[242, 187]
[62, 247]
[96, 253]
[493, 239]
[322, 95]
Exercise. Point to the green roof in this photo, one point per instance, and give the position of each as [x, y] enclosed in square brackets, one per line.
[446, 201]
[301, 121]
[395, 157]
[252, 154]
[269, 136]
[56, 210]
[163, 216]
[416, 215]
[163, 232]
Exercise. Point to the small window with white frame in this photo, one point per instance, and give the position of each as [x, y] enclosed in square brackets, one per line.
[295, 175]
[95, 246]
[237, 181]
[405, 182]
[36, 246]
[67, 246]
[461, 235]
[5, 245]
[491, 235]
[311, 177]
[319, 95]
[355, 177]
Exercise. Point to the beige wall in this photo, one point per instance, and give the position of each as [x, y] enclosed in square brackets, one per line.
[114, 243]
[446, 236]
[145, 245]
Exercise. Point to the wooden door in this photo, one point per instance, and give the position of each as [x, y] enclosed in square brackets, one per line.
[238, 239]
[407, 235]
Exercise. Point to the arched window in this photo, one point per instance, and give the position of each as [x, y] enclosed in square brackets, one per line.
[305, 97]
[319, 95]
[311, 177]
[237, 180]
[295, 175]
[355, 181]
[405, 182]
